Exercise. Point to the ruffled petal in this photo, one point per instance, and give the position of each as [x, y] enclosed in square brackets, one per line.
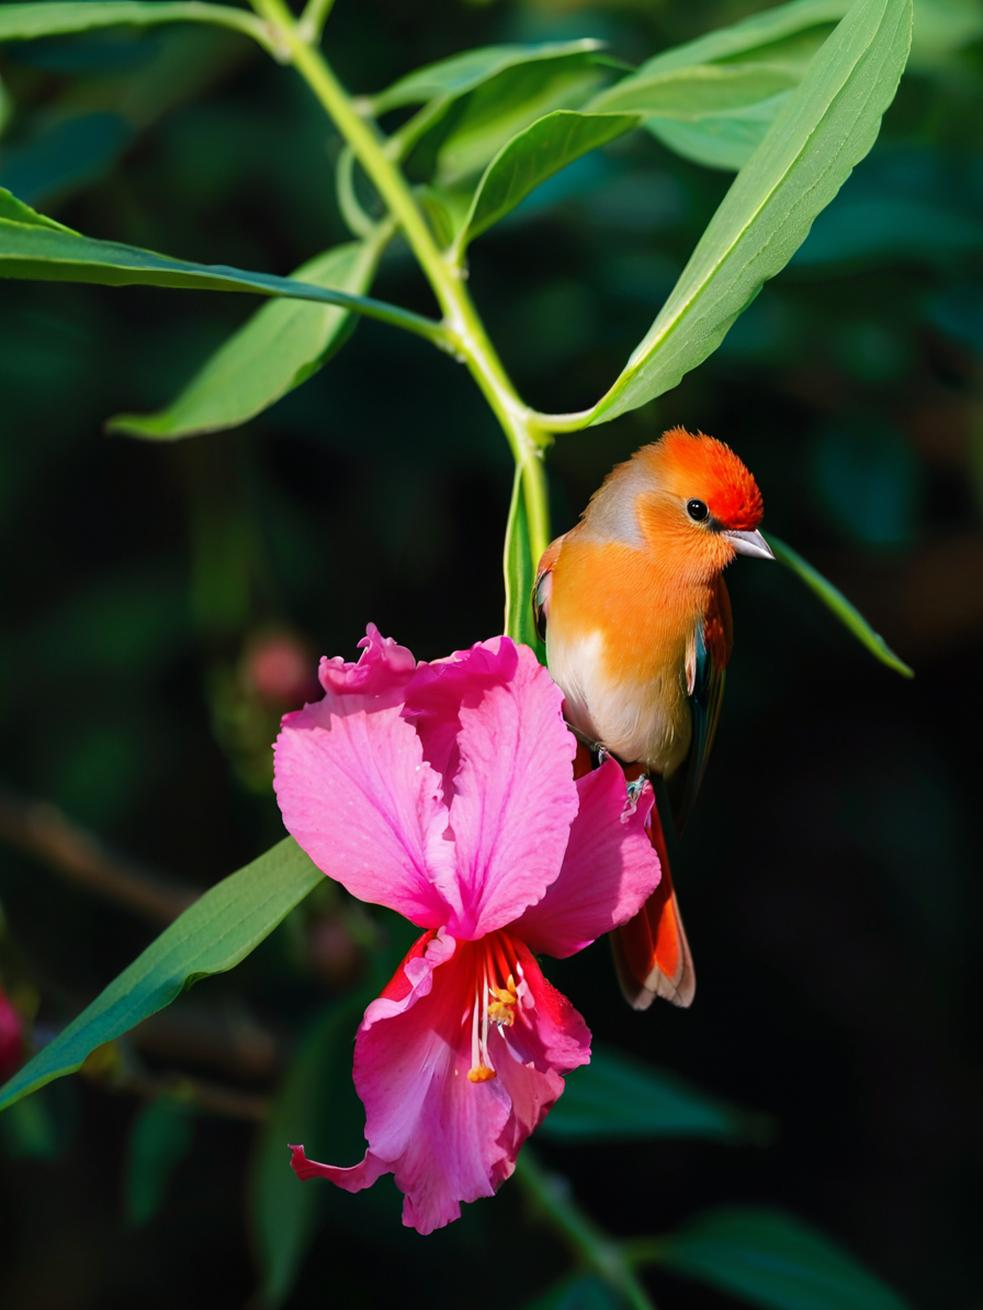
[446, 1138]
[383, 667]
[437, 691]
[353, 1179]
[426, 1123]
[609, 871]
[356, 793]
[514, 799]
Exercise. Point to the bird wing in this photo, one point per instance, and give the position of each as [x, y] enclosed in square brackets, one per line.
[707, 657]
[544, 585]
[651, 953]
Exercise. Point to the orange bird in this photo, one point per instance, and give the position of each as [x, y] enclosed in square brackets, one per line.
[635, 613]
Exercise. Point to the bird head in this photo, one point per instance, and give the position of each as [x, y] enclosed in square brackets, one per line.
[702, 499]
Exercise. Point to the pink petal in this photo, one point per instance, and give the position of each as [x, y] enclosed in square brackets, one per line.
[446, 1139]
[547, 1040]
[382, 667]
[609, 871]
[426, 1123]
[355, 792]
[515, 797]
[437, 691]
[355, 1179]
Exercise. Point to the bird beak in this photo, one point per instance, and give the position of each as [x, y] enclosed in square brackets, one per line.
[749, 543]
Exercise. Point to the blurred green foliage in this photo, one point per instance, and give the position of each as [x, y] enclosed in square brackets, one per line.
[829, 873]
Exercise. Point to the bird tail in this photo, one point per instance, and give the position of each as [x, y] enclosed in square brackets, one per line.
[651, 953]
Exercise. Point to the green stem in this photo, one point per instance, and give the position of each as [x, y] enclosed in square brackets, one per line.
[312, 20]
[360, 223]
[463, 327]
[574, 422]
[220, 16]
[598, 1251]
[644, 1250]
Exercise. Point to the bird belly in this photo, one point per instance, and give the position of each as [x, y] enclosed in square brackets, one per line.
[644, 720]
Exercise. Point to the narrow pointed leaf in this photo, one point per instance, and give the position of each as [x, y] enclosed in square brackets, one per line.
[725, 140]
[456, 76]
[713, 99]
[755, 36]
[25, 22]
[15, 211]
[834, 600]
[520, 573]
[478, 101]
[689, 93]
[214, 935]
[770, 1259]
[160, 1137]
[616, 1098]
[281, 345]
[534, 155]
[824, 128]
[32, 246]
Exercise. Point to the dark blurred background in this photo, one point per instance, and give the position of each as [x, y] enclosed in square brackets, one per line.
[161, 603]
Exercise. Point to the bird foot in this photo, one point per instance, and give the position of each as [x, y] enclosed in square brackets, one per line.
[598, 753]
[635, 789]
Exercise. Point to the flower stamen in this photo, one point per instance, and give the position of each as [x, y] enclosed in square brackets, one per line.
[495, 1002]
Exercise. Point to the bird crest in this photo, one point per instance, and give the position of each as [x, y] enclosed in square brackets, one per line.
[698, 465]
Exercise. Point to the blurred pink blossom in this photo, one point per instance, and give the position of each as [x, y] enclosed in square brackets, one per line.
[11, 1038]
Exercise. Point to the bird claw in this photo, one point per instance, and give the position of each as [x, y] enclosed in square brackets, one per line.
[598, 753]
[635, 789]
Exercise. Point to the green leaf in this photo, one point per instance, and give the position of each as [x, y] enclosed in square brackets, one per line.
[160, 1138]
[520, 574]
[824, 128]
[315, 1090]
[726, 140]
[65, 154]
[25, 22]
[489, 100]
[6, 107]
[712, 100]
[578, 1292]
[689, 93]
[448, 79]
[32, 246]
[277, 349]
[615, 1098]
[770, 1259]
[530, 158]
[15, 211]
[834, 600]
[770, 35]
[31, 1131]
[213, 935]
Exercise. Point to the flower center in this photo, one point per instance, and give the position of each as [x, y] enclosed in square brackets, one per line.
[498, 974]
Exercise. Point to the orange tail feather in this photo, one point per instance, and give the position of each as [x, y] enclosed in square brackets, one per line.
[651, 953]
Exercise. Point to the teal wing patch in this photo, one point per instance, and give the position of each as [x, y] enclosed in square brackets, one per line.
[711, 653]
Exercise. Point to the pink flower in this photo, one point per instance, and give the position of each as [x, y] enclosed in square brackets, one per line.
[446, 792]
[11, 1038]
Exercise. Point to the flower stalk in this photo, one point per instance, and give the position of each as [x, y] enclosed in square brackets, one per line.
[608, 1259]
[464, 333]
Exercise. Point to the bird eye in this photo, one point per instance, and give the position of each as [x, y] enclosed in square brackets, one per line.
[697, 510]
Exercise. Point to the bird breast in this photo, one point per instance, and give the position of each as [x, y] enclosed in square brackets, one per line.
[640, 720]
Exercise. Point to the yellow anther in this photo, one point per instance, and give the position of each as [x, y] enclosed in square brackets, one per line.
[480, 1074]
[502, 1008]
